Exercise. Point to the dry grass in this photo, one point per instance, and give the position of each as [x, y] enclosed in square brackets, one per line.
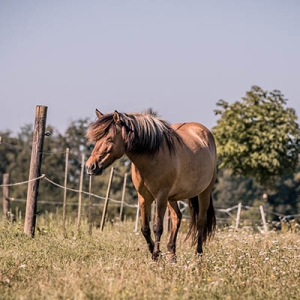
[115, 264]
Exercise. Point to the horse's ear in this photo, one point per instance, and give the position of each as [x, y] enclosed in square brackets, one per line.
[117, 117]
[99, 114]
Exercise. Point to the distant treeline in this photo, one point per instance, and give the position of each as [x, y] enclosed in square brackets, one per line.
[15, 152]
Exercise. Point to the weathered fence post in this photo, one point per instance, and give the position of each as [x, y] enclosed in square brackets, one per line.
[238, 216]
[137, 218]
[6, 202]
[65, 192]
[266, 205]
[90, 206]
[167, 220]
[123, 197]
[153, 209]
[106, 199]
[35, 169]
[263, 219]
[80, 193]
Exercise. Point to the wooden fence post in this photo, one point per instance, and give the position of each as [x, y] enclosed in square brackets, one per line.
[90, 206]
[153, 209]
[123, 197]
[6, 202]
[137, 218]
[238, 216]
[35, 169]
[106, 199]
[167, 220]
[263, 219]
[80, 193]
[65, 193]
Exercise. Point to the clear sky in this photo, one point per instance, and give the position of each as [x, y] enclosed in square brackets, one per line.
[176, 57]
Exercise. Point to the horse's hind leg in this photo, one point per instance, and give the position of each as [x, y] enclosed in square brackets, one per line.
[176, 216]
[145, 209]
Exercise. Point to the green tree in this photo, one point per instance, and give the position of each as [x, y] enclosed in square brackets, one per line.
[16, 151]
[15, 154]
[286, 199]
[6, 150]
[258, 136]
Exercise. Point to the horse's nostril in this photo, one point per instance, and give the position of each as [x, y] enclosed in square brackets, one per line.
[91, 168]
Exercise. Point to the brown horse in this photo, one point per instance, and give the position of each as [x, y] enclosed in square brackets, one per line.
[169, 163]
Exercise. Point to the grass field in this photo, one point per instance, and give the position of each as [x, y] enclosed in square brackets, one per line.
[115, 264]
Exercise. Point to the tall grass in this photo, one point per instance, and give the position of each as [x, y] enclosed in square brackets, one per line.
[115, 264]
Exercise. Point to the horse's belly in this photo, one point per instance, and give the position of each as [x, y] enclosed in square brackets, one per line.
[190, 184]
[186, 193]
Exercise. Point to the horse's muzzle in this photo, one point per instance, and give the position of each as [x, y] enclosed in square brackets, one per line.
[94, 169]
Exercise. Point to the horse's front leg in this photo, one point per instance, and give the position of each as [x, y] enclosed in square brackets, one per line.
[161, 205]
[176, 216]
[145, 209]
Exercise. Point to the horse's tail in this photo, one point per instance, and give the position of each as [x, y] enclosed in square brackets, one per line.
[194, 211]
[210, 225]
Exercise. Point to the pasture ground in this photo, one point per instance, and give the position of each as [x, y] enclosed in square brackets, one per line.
[115, 264]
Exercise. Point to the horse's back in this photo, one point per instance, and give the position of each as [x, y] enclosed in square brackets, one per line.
[186, 172]
[196, 136]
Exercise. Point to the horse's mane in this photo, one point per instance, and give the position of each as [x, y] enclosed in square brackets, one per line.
[143, 131]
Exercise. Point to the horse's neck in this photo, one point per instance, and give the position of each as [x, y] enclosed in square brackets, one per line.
[153, 164]
[146, 162]
[142, 162]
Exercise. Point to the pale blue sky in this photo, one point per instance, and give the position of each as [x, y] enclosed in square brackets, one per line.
[177, 57]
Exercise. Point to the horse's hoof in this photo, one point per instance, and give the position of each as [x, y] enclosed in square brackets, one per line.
[171, 258]
[156, 255]
[198, 256]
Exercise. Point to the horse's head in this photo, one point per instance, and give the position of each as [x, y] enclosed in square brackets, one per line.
[109, 144]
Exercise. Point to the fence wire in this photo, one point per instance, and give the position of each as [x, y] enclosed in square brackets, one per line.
[43, 176]
[183, 203]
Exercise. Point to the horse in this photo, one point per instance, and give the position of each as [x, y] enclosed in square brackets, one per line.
[169, 163]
